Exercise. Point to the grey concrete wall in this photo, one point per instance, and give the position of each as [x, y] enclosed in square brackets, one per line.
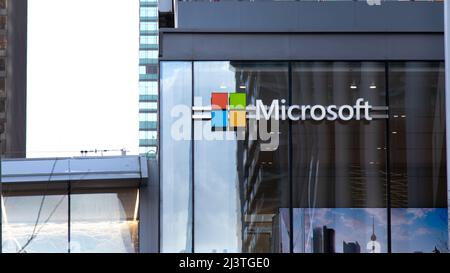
[16, 81]
[149, 211]
[301, 46]
[341, 30]
[395, 16]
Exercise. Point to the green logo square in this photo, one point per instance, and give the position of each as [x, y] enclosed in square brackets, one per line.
[238, 101]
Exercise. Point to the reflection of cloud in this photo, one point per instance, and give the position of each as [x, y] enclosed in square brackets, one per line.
[419, 229]
[379, 214]
[423, 231]
[320, 217]
[352, 222]
[408, 216]
[399, 217]
[419, 213]
[400, 234]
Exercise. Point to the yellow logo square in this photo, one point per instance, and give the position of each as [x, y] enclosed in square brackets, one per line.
[238, 119]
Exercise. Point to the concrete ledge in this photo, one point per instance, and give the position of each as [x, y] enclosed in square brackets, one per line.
[94, 169]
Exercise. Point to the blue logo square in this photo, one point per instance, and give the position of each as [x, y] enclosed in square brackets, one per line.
[219, 119]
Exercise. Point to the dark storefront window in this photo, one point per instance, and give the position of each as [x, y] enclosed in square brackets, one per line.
[339, 168]
[418, 157]
[354, 183]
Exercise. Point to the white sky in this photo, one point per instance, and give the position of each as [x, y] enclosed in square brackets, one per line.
[82, 76]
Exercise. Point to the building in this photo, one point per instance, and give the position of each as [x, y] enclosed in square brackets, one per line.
[227, 175]
[318, 240]
[232, 175]
[351, 247]
[148, 76]
[86, 204]
[324, 240]
[329, 241]
[13, 52]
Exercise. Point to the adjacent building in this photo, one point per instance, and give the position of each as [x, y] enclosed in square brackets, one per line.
[148, 77]
[324, 240]
[351, 247]
[72, 205]
[226, 185]
[13, 56]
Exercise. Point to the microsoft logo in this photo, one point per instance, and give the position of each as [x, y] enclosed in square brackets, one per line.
[228, 111]
[261, 120]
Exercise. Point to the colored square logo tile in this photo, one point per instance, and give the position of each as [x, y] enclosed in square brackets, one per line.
[238, 119]
[219, 101]
[238, 101]
[219, 119]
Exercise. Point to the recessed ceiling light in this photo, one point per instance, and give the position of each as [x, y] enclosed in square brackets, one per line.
[394, 132]
[373, 86]
[242, 86]
[353, 86]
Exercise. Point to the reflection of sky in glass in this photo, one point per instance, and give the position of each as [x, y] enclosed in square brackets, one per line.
[350, 225]
[104, 237]
[217, 214]
[413, 230]
[100, 222]
[175, 160]
[419, 229]
[19, 215]
[51, 239]
[112, 237]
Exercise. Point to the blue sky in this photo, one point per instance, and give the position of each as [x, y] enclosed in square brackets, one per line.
[419, 229]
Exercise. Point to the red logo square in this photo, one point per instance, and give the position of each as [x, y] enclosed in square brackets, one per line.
[219, 101]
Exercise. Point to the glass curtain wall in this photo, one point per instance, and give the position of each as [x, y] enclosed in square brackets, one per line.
[241, 192]
[339, 167]
[418, 157]
[35, 220]
[175, 157]
[46, 218]
[355, 183]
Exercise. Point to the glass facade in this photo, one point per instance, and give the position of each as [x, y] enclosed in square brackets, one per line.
[60, 219]
[176, 196]
[327, 186]
[148, 77]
